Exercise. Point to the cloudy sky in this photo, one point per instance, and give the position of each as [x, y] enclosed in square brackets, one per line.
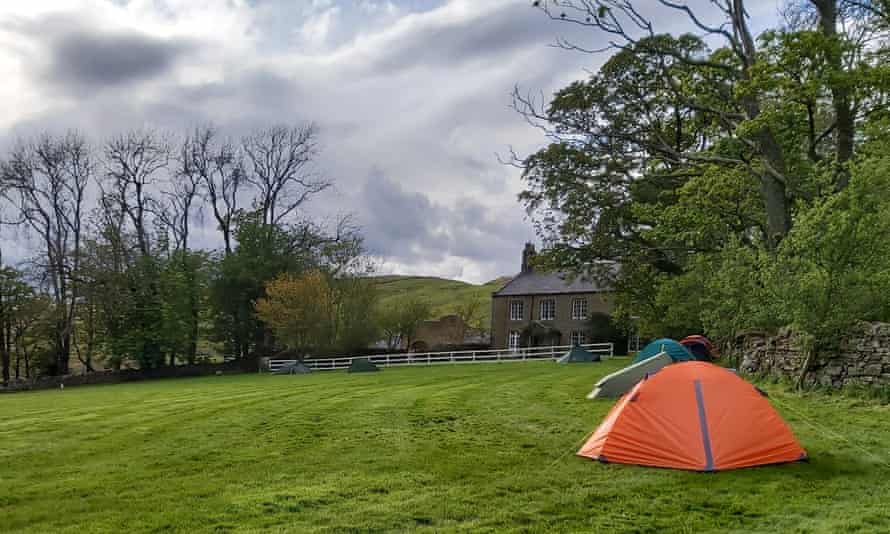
[411, 97]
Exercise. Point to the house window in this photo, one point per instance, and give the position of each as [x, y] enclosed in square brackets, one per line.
[548, 310]
[513, 339]
[578, 337]
[579, 309]
[516, 310]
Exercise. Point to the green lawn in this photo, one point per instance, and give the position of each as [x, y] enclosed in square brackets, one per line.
[458, 448]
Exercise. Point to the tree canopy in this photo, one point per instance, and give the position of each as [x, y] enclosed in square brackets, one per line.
[725, 171]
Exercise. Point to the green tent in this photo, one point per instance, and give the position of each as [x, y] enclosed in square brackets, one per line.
[578, 355]
[362, 365]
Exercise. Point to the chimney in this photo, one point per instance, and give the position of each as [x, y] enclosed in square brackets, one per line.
[528, 253]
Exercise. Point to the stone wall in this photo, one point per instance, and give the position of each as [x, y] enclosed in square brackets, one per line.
[130, 375]
[861, 359]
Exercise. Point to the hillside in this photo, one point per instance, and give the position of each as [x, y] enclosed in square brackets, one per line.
[444, 295]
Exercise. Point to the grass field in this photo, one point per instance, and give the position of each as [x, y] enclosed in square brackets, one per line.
[459, 448]
[444, 295]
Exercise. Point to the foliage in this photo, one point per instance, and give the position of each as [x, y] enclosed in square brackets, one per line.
[835, 265]
[315, 314]
[262, 253]
[601, 328]
[184, 290]
[401, 319]
[355, 301]
[23, 313]
[299, 310]
[114, 262]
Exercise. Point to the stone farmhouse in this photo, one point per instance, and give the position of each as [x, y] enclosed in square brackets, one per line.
[544, 308]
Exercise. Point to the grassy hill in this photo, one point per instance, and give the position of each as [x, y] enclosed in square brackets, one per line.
[463, 448]
[444, 295]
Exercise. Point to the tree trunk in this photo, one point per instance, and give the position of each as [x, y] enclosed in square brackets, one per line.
[840, 93]
[6, 361]
[18, 363]
[192, 349]
[778, 217]
[63, 350]
[805, 369]
[7, 348]
[778, 211]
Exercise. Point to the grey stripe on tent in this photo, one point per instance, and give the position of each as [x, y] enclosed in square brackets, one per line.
[703, 421]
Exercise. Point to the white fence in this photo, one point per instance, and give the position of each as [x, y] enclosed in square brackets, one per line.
[452, 357]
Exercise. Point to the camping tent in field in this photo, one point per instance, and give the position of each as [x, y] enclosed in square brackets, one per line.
[676, 351]
[362, 365]
[700, 347]
[296, 368]
[696, 416]
[620, 382]
[578, 355]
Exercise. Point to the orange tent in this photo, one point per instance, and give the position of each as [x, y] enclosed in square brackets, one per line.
[697, 416]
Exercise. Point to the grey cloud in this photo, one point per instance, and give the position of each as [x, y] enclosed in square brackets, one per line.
[486, 37]
[91, 60]
[74, 54]
[398, 223]
[408, 226]
[430, 132]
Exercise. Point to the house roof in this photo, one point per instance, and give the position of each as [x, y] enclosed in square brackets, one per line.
[549, 283]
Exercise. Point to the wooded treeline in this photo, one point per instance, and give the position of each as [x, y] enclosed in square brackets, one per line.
[741, 180]
[122, 269]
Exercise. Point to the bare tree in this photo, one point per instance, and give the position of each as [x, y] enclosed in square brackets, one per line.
[470, 314]
[133, 162]
[279, 169]
[186, 183]
[48, 179]
[219, 167]
[197, 164]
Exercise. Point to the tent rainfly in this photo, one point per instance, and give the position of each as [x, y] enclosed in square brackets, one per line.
[622, 381]
[695, 416]
[676, 351]
[700, 347]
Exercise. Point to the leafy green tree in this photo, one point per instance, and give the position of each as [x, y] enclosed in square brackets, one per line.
[355, 308]
[300, 311]
[402, 317]
[601, 328]
[261, 254]
[184, 288]
[690, 159]
[834, 269]
[15, 295]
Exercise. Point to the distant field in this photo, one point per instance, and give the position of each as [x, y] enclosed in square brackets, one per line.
[474, 448]
[444, 295]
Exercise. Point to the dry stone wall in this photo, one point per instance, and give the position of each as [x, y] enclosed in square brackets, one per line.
[861, 359]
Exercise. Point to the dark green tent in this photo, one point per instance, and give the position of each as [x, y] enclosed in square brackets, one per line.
[362, 365]
[296, 368]
[578, 355]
